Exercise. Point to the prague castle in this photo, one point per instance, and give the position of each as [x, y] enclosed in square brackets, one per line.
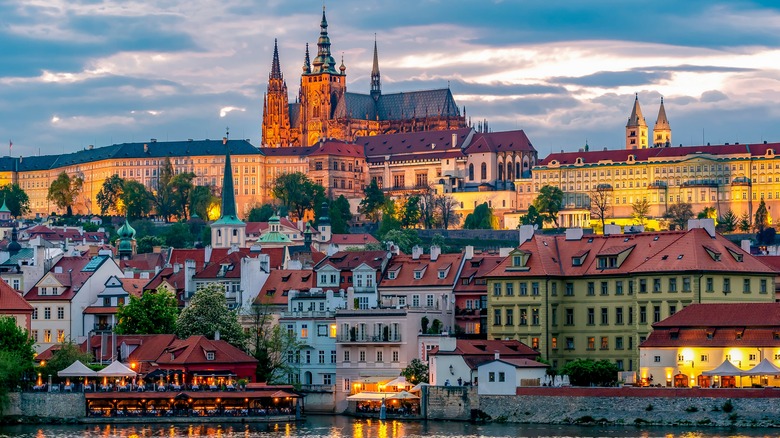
[324, 108]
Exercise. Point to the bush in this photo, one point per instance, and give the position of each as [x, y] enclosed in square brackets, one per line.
[587, 372]
[649, 408]
[728, 406]
[691, 409]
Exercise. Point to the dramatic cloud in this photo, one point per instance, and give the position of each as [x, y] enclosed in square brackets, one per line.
[80, 72]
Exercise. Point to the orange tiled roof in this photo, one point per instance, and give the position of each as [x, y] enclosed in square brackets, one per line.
[193, 351]
[280, 282]
[430, 270]
[11, 301]
[476, 268]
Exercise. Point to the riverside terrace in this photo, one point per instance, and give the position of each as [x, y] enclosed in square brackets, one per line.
[257, 401]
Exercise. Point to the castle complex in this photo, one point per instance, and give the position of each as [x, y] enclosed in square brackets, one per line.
[324, 108]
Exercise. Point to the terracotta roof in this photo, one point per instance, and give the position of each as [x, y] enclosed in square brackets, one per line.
[353, 239]
[476, 268]
[481, 347]
[134, 286]
[150, 348]
[414, 145]
[725, 315]
[72, 278]
[430, 271]
[338, 148]
[193, 351]
[257, 228]
[11, 301]
[215, 270]
[143, 262]
[499, 142]
[520, 363]
[348, 260]
[280, 282]
[678, 251]
[100, 310]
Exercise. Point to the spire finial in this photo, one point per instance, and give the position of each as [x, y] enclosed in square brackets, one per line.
[376, 83]
[276, 70]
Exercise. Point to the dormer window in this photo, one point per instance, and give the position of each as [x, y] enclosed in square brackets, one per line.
[608, 262]
[209, 355]
[737, 255]
[391, 275]
[715, 255]
[517, 261]
[442, 274]
[417, 275]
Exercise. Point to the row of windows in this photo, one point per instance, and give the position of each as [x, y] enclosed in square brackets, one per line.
[509, 317]
[306, 356]
[590, 343]
[604, 315]
[47, 336]
[47, 313]
[379, 355]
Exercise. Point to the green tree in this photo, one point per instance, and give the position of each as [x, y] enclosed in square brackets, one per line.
[640, 210]
[373, 202]
[179, 235]
[201, 198]
[445, 215]
[261, 213]
[678, 215]
[16, 199]
[410, 213]
[480, 219]
[405, 239]
[340, 215]
[64, 190]
[146, 244]
[601, 202]
[16, 340]
[744, 223]
[163, 196]
[548, 203]
[587, 372]
[272, 346]
[109, 194]
[181, 187]
[66, 354]
[728, 222]
[208, 314]
[416, 372]
[136, 199]
[389, 218]
[298, 193]
[152, 313]
[428, 208]
[12, 368]
[761, 220]
[532, 217]
[707, 213]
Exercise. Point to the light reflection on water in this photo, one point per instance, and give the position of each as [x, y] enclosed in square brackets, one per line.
[343, 427]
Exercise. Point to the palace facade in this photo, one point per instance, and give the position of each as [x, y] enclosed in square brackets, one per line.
[325, 109]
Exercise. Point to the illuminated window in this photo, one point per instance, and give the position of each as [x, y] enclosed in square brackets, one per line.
[304, 331]
[333, 330]
[60, 336]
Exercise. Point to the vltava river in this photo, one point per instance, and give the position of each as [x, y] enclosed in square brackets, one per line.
[344, 427]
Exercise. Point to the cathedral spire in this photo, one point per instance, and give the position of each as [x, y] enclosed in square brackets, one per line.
[228, 211]
[636, 128]
[228, 230]
[662, 132]
[324, 61]
[376, 89]
[276, 70]
[306, 61]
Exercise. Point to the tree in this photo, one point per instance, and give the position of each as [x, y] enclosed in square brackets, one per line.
[678, 215]
[261, 213]
[766, 237]
[136, 199]
[180, 187]
[63, 357]
[548, 203]
[201, 198]
[428, 208]
[532, 217]
[208, 314]
[163, 197]
[16, 340]
[445, 211]
[410, 213]
[12, 369]
[744, 222]
[152, 313]
[416, 372]
[16, 199]
[64, 190]
[761, 221]
[109, 194]
[480, 219]
[372, 204]
[146, 244]
[389, 218]
[586, 372]
[600, 202]
[340, 215]
[640, 210]
[179, 235]
[272, 346]
[404, 239]
[707, 213]
[728, 222]
[298, 193]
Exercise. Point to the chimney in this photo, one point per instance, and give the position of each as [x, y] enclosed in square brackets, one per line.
[435, 252]
[207, 254]
[469, 252]
[156, 249]
[526, 232]
[216, 335]
[128, 273]
[189, 277]
[574, 233]
[611, 229]
[454, 139]
[416, 252]
[745, 245]
[496, 355]
[176, 267]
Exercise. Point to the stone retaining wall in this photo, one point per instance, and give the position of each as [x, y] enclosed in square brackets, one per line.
[47, 405]
[450, 402]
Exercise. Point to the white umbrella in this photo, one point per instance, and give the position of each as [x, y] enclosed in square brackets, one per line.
[418, 387]
[764, 368]
[77, 369]
[557, 381]
[116, 369]
[403, 395]
[565, 381]
[725, 369]
[398, 381]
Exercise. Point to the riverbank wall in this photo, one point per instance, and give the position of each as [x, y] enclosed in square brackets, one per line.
[46, 405]
[618, 406]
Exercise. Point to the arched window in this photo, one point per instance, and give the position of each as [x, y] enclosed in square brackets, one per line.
[509, 171]
[517, 170]
[484, 171]
[471, 172]
[500, 172]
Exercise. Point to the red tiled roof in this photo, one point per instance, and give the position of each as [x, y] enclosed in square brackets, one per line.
[71, 277]
[11, 301]
[348, 260]
[143, 262]
[338, 148]
[353, 239]
[193, 351]
[499, 142]
[725, 315]
[476, 268]
[134, 286]
[233, 260]
[256, 228]
[99, 310]
[150, 348]
[430, 274]
[280, 282]
[414, 145]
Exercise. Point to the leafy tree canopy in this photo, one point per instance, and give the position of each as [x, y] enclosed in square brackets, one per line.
[64, 190]
[136, 199]
[180, 187]
[373, 202]
[261, 213]
[587, 372]
[410, 213]
[728, 222]
[152, 313]
[146, 244]
[207, 314]
[532, 217]
[15, 340]
[548, 203]
[761, 221]
[16, 199]
[640, 210]
[340, 215]
[64, 357]
[416, 372]
[298, 193]
[481, 219]
[201, 199]
[109, 194]
[179, 235]
[678, 215]
[405, 239]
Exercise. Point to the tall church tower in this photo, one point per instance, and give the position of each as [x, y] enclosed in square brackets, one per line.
[321, 88]
[376, 85]
[228, 230]
[662, 132]
[636, 128]
[276, 112]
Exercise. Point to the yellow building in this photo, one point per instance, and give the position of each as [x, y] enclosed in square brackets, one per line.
[593, 296]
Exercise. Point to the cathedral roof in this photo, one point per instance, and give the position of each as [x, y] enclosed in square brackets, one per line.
[295, 114]
[397, 106]
[356, 106]
[415, 145]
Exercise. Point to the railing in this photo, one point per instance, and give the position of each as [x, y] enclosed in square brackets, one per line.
[307, 314]
[368, 338]
[103, 327]
[317, 388]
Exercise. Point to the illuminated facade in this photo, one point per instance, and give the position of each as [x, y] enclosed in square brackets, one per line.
[593, 296]
[701, 337]
[324, 108]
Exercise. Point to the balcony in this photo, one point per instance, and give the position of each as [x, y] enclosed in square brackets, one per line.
[317, 388]
[467, 313]
[103, 327]
[358, 338]
[308, 314]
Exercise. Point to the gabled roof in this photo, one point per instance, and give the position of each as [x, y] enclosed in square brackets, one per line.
[428, 268]
[475, 268]
[256, 228]
[415, 145]
[725, 315]
[75, 272]
[500, 142]
[352, 239]
[227, 267]
[338, 148]
[143, 262]
[348, 260]
[280, 282]
[193, 351]
[11, 301]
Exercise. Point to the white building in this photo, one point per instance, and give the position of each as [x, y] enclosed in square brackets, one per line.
[456, 362]
[504, 376]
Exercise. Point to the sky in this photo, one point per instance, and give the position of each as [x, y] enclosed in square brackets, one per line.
[75, 73]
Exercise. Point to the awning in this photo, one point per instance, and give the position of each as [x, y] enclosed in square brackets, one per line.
[371, 396]
[725, 369]
[159, 372]
[373, 379]
[403, 395]
[116, 369]
[77, 369]
[764, 368]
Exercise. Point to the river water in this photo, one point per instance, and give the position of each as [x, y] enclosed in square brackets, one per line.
[345, 427]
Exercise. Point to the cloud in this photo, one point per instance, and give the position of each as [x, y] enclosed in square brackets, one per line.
[713, 96]
[224, 111]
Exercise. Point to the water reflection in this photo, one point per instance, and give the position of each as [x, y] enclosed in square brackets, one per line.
[343, 427]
